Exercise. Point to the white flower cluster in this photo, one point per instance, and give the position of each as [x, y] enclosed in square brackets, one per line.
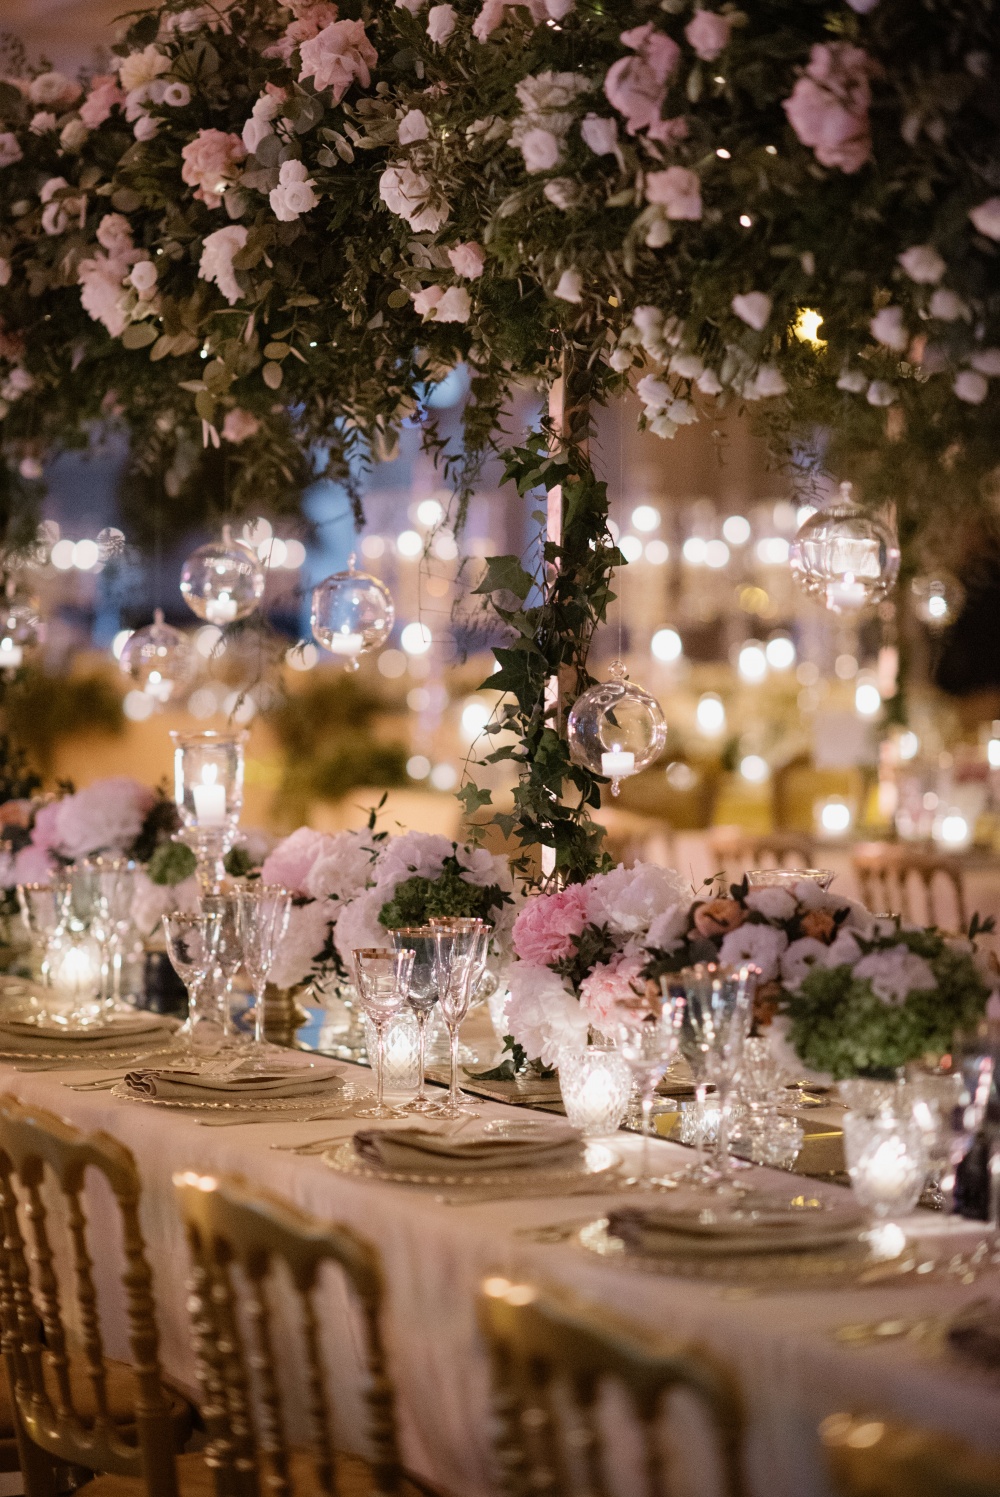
[539, 132]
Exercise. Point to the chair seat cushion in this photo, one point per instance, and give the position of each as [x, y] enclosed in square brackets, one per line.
[120, 1393]
[194, 1479]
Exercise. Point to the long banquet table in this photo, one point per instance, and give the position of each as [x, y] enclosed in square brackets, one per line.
[779, 1344]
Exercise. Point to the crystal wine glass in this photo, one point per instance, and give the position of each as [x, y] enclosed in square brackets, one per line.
[718, 1013]
[264, 910]
[422, 994]
[115, 890]
[648, 1036]
[383, 979]
[228, 958]
[191, 941]
[41, 913]
[460, 952]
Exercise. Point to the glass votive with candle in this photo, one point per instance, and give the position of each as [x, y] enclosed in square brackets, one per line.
[887, 1162]
[208, 791]
[595, 1085]
[402, 1052]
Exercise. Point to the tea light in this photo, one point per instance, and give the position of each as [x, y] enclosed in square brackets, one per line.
[209, 798]
[11, 655]
[402, 1052]
[886, 1161]
[617, 763]
[847, 594]
[221, 610]
[75, 971]
[595, 1086]
[344, 643]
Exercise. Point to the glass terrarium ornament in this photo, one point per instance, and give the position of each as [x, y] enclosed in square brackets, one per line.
[352, 613]
[20, 627]
[937, 600]
[844, 557]
[222, 581]
[616, 729]
[158, 659]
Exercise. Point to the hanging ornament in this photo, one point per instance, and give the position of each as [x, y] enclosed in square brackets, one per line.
[845, 557]
[223, 581]
[937, 600]
[616, 729]
[158, 659]
[110, 544]
[352, 613]
[20, 627]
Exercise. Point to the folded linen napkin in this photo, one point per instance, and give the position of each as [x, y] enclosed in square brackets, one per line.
[420, 1150]
[29, 1036]
[975, 1333]
[178, 1084]
[697, 1231]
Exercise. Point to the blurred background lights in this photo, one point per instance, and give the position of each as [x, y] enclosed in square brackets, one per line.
[833, 817]
[806, 327]
[257, 532]
[803, 513]
[207, 640]
[754, 769]
[444, 546]
[752, 661]
[645, 518]
[780, 653]
[392, 664]
[429, 513]
[119, 642]
[409, 543]
[418, 767]
[716, 554]
[138, 705]
[952, 829]
[62, 555]
[845, 667]
[736, 529]
[710, 715]
[416, 639]
[444, 777]
[475, 715]
[302, 657]
[681, 777]
[86, 554]
[657, 552]
[631, 547]
[909, 746]
[694, 551]
[202, 703]
[867, 697]
[372, 547]
[666, 645]
[773, 551]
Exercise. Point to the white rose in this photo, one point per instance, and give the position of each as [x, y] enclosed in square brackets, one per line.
[177, 95]
[467, 260]
[42, 122]
[540, 149]
[357, 927]
[620, 360]
[887, 327]
[216, 263]
[923, 264]
[145, 127]
[454, 306]
[627, 900]
[986, 218]
[413, 126]
[686, 365]
[753, 308]
[562, 192]
[73, 135]
[769, 382]
[971, 387]
[409, 195]
[654, 393]
[302, 943]
[948, 307]
[294, 193]
[682, 413]
[773, 904]
[709, 383]
[425, 302]
[987, 361]
[667, 930]
[570, 287]
[441, 23]
[880, 393]
[600, 134]
[761, 945]
[543, 1017]
[143, 277]
[852, 380]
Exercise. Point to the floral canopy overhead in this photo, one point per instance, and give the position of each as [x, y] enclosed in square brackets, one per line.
[268, 228]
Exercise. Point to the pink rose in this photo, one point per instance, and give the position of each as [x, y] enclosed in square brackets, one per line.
[467, 260]
[310, 21]
[239, 425]
[708, 33]
[636, 86]
[828, 107]
[544, 930]
[32, 865]
[292, 861]
[210, 164]
[611, 988]
[45, 832]
[104, 96]
[338, 55]
[677, 190]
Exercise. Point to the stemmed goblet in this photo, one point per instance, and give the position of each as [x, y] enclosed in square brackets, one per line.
[228, 958]
[460, 954]
[41, 914]
[263, 919]
[115, 890]
[383, 981]
[191, 941]
[649, 1032]
[422, 994]
[717, 1017]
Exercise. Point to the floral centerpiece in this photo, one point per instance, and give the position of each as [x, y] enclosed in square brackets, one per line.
[580, 951]
[323, 873]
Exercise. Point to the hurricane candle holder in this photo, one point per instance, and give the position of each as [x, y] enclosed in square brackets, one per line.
[887, 1163]
[595, 1084]
[208, 791]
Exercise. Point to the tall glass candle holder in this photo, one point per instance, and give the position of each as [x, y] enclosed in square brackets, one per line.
[208, 790]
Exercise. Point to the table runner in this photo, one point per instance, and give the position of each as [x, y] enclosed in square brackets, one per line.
[779, 1346]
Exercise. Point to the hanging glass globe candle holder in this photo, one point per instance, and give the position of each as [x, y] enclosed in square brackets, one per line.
[20, 627]
[222, 581]
[937, 600]
[352, 613]
[158, 659]
[846, 558]
[616, 729]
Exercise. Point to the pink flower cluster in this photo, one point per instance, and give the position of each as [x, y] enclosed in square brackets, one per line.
[292, 861]
[544, 930]
[338, 55]
[210, 162]
[610, 988]
[828, 107]
[637, 86]
[309, 21]
[104, 96]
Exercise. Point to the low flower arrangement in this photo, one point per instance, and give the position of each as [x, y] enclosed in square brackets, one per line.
[579, 952]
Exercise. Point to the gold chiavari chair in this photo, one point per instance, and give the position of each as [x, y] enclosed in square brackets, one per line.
[71, 1405]
[551, 1357]
[733, 850]
[876, 1458]
[886, 870]
[238, 1237]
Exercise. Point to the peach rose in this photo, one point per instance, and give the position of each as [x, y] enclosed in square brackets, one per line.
[717, 916]
[210, 162]
[819, 924]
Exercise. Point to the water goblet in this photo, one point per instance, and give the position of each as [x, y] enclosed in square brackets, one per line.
[41, 914]
[383, 981]
[191, 941]
[460, 953]
[228, 958]
[422, 994]
[264, 910]
[649, 1033]
[717, 1017]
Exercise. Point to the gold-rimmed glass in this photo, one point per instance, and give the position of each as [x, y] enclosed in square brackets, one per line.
[383, 982]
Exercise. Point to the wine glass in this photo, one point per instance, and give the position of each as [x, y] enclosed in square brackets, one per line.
[649, 1031]
[41, 914]
[191, 942]
[115, 891]
[422, 994]
[717, 1017]
[228, 958]
[383, 980]
[459, 955]
[262, 921]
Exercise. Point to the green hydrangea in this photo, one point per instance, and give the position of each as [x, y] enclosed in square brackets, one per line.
[420, 899]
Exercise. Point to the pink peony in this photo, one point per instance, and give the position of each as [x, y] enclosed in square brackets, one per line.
[309, 21]
[209, 164]
[104, 96]
[544, 930]
[105, 816]
[708, 33]
[10, 149]
[636, 86]
[32, 865]
[45, 832]
[467, 260]
[292, 861]
[828, 107]
[677, 190]
[239, 425]
[339, 54]
[609, 988]
[54, 89]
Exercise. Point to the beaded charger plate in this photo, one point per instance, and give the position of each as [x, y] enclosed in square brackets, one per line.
[848, 1264]
[597, 1160]
[236, 1104]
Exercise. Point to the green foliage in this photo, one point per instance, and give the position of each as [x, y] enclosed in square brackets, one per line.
[420, 899]
[238, 863]
[159, 826]
[18, 780]
[172, 863]
[328, 742]
[38, 710]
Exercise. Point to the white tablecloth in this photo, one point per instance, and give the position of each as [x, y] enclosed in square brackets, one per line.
[792, 1372]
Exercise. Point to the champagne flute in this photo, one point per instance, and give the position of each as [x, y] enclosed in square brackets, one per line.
[648, 1036]
[115, 892]
[191, 941]
[264, 910]
[422, 994]
[228, 958]
[718, 1013]
[383, 980]
[460, 951]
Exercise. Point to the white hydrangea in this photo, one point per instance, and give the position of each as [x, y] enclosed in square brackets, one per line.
[896, 973]
[302, 943]
[543, 1016]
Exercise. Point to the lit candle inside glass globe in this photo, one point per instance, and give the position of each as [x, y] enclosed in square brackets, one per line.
[209, 798]
[221, 610]
[344, 641]
[617, 764]
[846, 595]
[11, 655]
